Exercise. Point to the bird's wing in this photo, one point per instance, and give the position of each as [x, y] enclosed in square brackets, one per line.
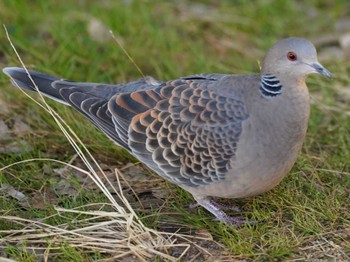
[92, 99]
[185, 130]
[181, 129]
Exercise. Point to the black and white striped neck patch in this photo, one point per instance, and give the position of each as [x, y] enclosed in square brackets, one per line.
[270, 85]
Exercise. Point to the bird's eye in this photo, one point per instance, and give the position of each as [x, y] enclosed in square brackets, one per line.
[292, 56]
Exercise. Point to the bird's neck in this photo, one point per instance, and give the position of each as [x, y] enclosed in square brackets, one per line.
[270, 85]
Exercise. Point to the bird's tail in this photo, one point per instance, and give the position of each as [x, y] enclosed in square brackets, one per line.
[20, 78]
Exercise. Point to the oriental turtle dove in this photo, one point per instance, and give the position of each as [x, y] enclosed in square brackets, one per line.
[215, 135]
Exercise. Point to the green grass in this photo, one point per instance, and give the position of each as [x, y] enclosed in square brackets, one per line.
[305, 217]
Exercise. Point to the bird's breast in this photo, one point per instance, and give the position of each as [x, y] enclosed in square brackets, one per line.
[270, 143]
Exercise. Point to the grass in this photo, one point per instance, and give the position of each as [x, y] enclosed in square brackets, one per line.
[305, 217]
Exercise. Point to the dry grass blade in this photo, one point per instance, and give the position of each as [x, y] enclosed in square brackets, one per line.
[105, 232]
[127, 54]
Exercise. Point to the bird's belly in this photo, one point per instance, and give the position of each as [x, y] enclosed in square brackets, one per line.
[260, 176]
[256, 178]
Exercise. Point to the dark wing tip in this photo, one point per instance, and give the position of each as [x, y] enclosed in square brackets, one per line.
[12, 71]
[18, 77]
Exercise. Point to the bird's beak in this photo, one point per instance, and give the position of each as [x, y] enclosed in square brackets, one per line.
[321, 70]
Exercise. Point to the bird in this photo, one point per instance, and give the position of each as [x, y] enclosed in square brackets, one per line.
[214, 135]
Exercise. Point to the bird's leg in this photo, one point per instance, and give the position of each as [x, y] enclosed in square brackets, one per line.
[218, 205]
[220, 215]
[225, 207]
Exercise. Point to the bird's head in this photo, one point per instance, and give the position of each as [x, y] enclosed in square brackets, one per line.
[293, 57]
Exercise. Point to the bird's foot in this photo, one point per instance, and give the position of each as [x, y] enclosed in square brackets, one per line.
[215, 208]
[231, 220]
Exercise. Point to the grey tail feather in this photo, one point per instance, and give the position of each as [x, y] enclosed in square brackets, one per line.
[19, 77]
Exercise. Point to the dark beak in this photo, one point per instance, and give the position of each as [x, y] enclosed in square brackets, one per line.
[321, 70]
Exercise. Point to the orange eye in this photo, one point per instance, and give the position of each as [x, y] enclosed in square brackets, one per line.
[292, 56]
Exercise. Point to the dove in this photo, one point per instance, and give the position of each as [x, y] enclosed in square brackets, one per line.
[214, 135]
